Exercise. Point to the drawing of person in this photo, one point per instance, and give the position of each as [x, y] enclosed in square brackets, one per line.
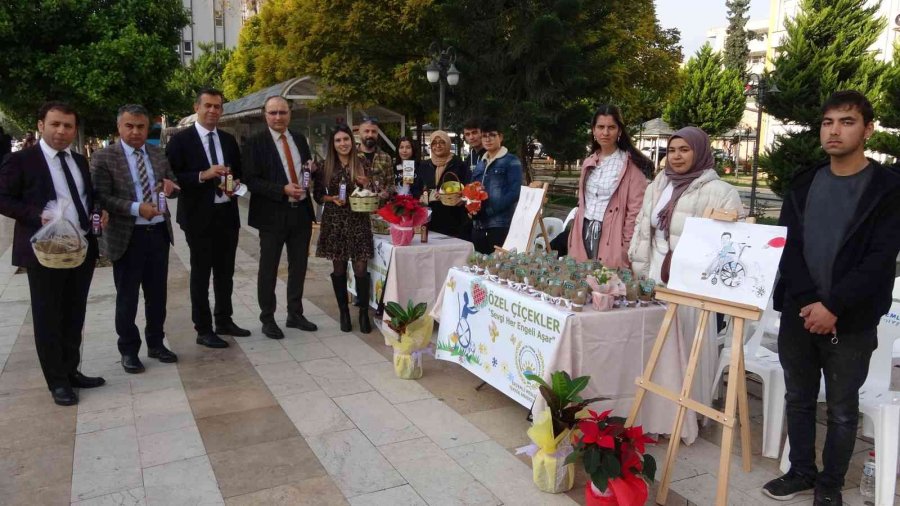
[726, 252]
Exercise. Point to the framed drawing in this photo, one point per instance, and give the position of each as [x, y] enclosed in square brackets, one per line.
[732, 261]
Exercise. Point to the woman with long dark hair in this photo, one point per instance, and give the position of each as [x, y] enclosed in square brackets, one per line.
[610, 192]
[344, 235]
[406, 152]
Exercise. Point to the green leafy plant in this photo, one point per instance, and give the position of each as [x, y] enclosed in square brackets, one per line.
[563, 399]
[402, 318]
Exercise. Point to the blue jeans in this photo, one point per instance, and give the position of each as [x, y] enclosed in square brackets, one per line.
[805, 357]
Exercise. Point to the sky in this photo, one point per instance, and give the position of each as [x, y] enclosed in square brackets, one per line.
[683, 14]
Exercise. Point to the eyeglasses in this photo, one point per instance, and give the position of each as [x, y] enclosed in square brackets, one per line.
[277, 113]
[439, 141]
[489, 135]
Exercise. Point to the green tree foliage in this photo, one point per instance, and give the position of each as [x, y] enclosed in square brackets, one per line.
[826, 50]
[362, 52]
[887, 109]
[711, 97]
[97, 55]
[205, 71]
[736, 51]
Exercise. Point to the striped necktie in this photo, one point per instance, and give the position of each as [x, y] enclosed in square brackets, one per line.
[142, 175]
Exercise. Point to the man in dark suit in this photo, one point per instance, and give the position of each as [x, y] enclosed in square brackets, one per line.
[28, 180]
[128, 176]
[282, 211]
[201, 157]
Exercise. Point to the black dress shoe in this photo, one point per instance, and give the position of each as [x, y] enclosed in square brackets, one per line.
[211, 340]
[230, 329]
[300, 322]
[271, 330]
[132, 364]
[79, 380]
[162, 354]
[64, 396]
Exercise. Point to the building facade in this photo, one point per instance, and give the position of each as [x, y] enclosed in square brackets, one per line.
[214, 22]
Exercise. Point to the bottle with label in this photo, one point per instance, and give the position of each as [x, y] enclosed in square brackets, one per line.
[867, 480]
[96, 227]
[342, 189]
[305, 174]
[161, 203]
[424, 235]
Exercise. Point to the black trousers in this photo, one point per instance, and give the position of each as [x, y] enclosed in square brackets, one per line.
[484, 239]
[212, 252]
[145, 264]
[58, 302]
[296, 235]
[805, 357]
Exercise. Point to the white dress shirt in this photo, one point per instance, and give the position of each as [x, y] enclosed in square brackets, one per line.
[62, 187]
[204, 138]
[295, 154]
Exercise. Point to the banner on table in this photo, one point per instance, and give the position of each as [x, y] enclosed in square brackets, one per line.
[378, 270]
[498, 334]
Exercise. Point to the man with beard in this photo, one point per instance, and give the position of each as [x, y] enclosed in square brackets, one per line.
[377, 161]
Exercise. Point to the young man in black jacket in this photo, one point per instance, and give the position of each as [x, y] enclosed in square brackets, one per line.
[837, 272]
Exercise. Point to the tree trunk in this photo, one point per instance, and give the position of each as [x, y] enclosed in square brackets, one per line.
[419, 137]
[526, 163]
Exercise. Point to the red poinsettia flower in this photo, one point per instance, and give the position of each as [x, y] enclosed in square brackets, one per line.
[592, 434]
[637, 438]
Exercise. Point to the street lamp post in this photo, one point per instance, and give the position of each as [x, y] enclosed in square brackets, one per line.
[442, 70]
[757, 87]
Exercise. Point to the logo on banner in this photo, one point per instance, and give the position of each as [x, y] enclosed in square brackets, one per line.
[528, 361]
[479, 294]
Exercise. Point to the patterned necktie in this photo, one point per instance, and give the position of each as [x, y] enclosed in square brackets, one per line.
[73, 192]
[290, 159]
[142, 175]
[213, 157]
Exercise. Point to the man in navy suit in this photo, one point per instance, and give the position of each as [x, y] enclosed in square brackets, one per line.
[201, 157]
[28, 180]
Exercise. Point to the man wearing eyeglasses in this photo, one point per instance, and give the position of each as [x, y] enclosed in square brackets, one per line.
[281, 209]
[501, 174]
[377, 161]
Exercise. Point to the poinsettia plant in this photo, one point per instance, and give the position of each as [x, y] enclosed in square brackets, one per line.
[404, 210]
[562, 398]
[474, 194]
[612, 454]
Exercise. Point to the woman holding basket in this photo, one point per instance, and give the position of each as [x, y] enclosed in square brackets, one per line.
[345, 235]
[447, 217]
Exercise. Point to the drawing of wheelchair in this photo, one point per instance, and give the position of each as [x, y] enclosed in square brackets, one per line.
[729, 269]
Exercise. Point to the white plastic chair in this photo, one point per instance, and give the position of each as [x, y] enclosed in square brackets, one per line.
[764, 363]
[554, 227]
[570, 217]
[881, 415]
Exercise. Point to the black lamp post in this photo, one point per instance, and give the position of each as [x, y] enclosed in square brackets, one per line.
[442, 70]
[757, 87]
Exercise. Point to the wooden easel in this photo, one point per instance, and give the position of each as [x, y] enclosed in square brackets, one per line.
[538, 218]
[736, 394]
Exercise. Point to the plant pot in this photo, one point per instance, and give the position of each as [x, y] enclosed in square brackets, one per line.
[631, 493]
[593, 496]
[551, 474]
[408, 365]
[401, 236]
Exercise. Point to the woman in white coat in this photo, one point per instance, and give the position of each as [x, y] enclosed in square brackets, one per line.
[687, 187]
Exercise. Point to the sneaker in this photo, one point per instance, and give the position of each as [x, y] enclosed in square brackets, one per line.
[828, 498]
[789, 486]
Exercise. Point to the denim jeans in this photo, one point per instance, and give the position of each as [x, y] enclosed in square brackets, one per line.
[805, 357]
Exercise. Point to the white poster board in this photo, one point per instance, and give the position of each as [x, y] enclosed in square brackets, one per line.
[522, 227]
[498, 334]
[732, 261]
[378, 270]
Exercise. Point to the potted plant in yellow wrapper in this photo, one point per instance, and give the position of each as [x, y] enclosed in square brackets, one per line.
[413, 329]
[552, 428]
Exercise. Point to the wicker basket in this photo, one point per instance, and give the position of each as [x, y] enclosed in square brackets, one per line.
[450, 199]
[67, 260]
[364, 204]
[379, 226]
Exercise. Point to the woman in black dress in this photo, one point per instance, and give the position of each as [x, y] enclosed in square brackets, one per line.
[406, 152]
[430, 175]
[345, 235]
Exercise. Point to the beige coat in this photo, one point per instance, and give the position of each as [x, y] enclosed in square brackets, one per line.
[647, 251]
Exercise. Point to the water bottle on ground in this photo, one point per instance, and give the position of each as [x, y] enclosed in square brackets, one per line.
[867, 481]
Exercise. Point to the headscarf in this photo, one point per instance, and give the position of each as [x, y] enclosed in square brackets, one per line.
[440, 163]
[699, 143]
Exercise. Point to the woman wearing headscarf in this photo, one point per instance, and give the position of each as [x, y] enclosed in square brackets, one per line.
[686, 188]
[430, 175]
[610, 193]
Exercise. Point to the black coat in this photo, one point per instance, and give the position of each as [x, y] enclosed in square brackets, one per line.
[265, 178]
[865, 265]
[25, 188]
[447, 220]
[197, 200]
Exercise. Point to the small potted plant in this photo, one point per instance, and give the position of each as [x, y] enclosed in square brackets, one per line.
[413, 336]
[551, 431]
[404, 213]
[647, 286]
[613, 457]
